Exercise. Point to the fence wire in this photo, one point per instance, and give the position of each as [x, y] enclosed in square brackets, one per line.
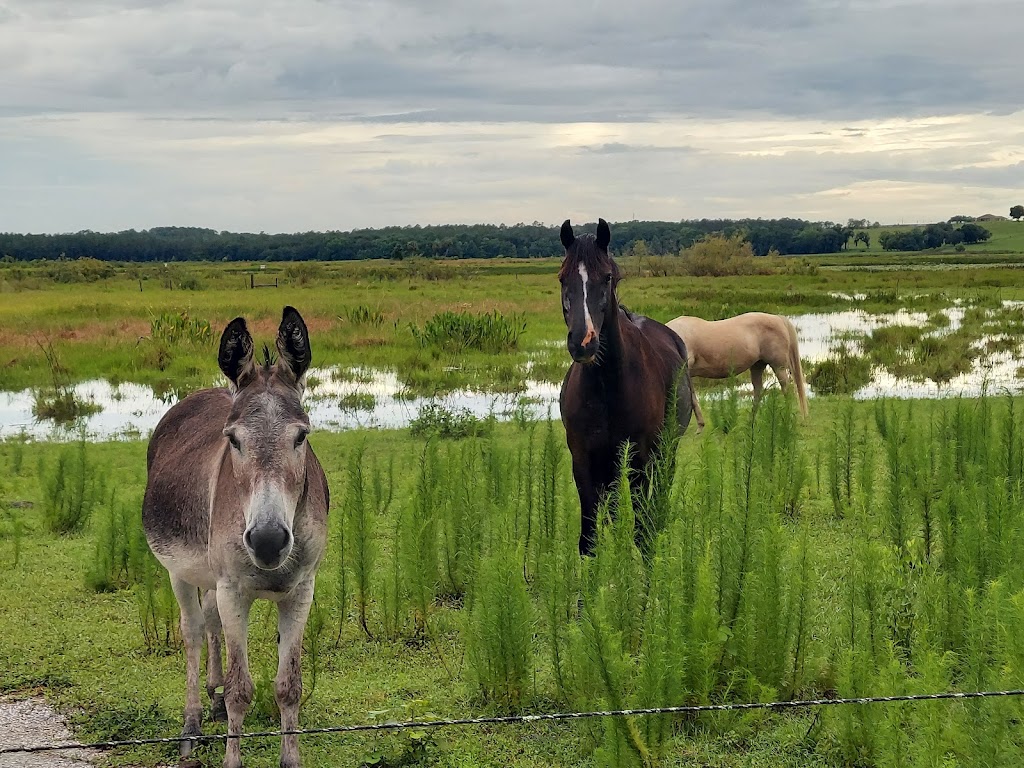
[517, 719]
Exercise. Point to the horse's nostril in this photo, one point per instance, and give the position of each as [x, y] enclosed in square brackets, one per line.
[268, 541]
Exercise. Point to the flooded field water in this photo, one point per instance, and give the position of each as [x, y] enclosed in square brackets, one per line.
[355, 398]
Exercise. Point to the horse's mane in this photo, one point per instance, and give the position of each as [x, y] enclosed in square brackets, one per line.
[584, 251]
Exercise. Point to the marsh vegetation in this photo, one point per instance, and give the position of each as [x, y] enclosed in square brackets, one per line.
[868, 550]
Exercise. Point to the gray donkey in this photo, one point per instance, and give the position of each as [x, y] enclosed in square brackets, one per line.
[236, 507]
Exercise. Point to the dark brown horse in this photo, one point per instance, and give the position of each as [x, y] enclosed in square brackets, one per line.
[620, 385]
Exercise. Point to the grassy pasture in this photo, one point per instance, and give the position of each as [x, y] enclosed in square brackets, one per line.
[1007, 240]
[364, 314]
[870, 550]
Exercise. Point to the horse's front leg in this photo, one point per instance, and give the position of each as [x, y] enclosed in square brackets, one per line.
[192, 631]
[233, 607]
[589, 496]
[292, 613]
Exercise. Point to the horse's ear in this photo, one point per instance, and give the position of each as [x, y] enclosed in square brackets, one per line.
[293, 343]
[568, 238]
[604, 234]
[235, 356]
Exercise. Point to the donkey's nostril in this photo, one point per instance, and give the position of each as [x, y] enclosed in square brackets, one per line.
[268, 542]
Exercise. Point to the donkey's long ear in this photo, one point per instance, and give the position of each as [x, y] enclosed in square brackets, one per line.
[293, 343]
[235, 356]
[568, 238]
[604, 234]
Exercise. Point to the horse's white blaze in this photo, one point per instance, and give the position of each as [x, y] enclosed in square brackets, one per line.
[586, 307]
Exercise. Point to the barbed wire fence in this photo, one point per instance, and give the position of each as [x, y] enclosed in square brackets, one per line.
[521, 719]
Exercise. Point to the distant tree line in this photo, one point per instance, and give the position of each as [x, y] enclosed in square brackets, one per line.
[933, 236]
[166, 244]
[785, 236]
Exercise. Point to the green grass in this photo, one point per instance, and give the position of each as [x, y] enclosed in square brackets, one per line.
[1007, 240]
[849, 532]
[360, 314]
[846, 554]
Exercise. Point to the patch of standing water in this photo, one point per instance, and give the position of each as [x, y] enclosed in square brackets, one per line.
[820, 334]
[367, 398]
[131, 411]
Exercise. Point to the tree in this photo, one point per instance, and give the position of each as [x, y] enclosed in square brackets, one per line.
[974, 233]
[862, 237]
[1017, 212]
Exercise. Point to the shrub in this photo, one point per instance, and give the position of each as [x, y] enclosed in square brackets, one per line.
[82, 270]
[304, 272]
[842, 373]
[717, 256]
[363, 315]
[59, 403]
[177, 328]
[435, 419]
[500, 631]
[457, 331]
[71, 490]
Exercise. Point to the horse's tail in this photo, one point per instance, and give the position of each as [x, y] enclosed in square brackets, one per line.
[795, 367]
[687, 399]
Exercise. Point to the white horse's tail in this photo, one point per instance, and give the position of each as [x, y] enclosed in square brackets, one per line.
[795, 367]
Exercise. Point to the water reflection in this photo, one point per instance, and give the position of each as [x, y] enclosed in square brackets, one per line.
[820, 334]
[130, 411]
[366, 398]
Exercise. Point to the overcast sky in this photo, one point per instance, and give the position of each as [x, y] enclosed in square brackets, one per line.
[295, 115]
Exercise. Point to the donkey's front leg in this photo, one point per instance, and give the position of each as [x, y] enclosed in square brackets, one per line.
[233, 607]
[192, 631]
[214, 660]
[292, 613]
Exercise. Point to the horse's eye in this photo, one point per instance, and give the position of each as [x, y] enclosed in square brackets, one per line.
[608, 279]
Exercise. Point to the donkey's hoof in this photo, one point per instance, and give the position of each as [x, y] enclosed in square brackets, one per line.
[185, 748]
[218, 710]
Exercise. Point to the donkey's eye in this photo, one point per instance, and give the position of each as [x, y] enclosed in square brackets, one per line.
[300, 438]
[233, 439]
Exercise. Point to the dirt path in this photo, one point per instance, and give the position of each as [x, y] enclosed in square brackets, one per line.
[33, 722]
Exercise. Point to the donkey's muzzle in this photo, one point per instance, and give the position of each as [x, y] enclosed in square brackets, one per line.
[269, 544]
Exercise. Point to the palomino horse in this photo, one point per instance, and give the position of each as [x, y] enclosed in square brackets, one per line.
[625, 368]
[236, 506]
[719, 349]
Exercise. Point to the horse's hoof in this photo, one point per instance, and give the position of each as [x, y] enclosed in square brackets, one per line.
[218, 710]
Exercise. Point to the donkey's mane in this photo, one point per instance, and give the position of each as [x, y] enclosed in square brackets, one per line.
[584, 251]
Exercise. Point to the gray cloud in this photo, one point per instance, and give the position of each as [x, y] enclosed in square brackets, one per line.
[507, 60]
[293, 114]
